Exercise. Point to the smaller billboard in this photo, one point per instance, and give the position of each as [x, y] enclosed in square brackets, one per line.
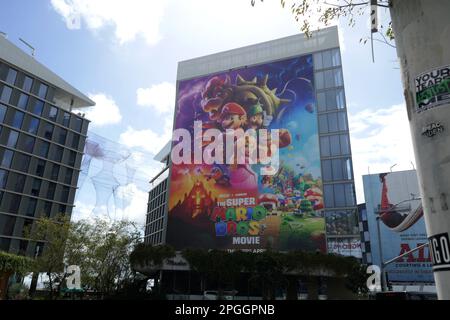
[345, 247]
[394, 197]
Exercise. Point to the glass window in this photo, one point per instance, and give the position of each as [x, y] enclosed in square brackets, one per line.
[349, 195]
[347, 167]
[337, 169]
[27, 226]
[38, 107]
[48, 130]
[62, 136]
[326, 169]
[337, 75]
[77, 124]
[17, 119]
[40, 168]
[335, 146]
[57, 153]
[2, 112]
[321, 102]
[319, 80]
[339, 195]
[12, 139]
[28, 144]
[47, 208]
[325, 146]
[6, 94]
[66, 119]
[340, 99]
[51, 190]
[36, 187]
[55, 172]
[7, 158]
[23, 101]
[329, 79]
[33, 125]
[11, 77]
[21, 162]
[31, 207]
[331, 99]
[42, 93]
[333, 122]
[65, 194]
[75, 141]
[14, 203]
[72, 158]
[68, 176]
[328, 195]
[27, 84]
[53, 113]
[342, 121]
[62, 209]
[3, 178]
[318, 60]
[9, 223]
[336, 57]
[4, 244]
[345, 144]
[323, 123]
[326, 58]
[18, 181]
[43, 149]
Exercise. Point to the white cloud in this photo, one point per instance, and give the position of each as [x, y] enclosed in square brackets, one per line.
[159, 97]
[147, 139]
[380, 139]
[129, 18]
[104, 112]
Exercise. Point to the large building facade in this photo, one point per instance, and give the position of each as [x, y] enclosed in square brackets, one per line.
[324, 181]
[41, 146]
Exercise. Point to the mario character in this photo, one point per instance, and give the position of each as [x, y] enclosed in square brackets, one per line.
[233, 116]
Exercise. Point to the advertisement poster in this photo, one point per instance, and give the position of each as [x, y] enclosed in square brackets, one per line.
[395, 198]
[433, 88]
[345, 247]
[237, 206]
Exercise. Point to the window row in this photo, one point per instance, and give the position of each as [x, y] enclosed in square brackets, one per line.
[327, 59]
[329, 79]
[330, 100]
[31, 207]
[39, 108]
[154, 226]
[337, 169]
[156, 200]
[339, 195]
[333, 122]
[155, 214]
[335, 145]
[25, 83]
[341, 223]
[154, 239]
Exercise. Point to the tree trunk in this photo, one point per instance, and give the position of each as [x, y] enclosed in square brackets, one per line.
[422, 35]
[4, 279]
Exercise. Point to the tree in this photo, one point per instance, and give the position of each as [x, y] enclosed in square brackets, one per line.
[421, 29]
[9, 264]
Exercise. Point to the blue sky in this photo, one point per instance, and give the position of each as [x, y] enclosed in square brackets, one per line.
[125, 53]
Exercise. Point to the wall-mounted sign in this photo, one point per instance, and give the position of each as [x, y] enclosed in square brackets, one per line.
[432, 88]
[440, 251]
[432, 129]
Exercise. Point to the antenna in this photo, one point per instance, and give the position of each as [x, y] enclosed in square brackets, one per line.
[33, 50]
[393, 166]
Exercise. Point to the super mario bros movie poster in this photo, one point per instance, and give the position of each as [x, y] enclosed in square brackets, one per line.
[235, 206]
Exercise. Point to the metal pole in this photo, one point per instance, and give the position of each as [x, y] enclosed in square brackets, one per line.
[383, 276]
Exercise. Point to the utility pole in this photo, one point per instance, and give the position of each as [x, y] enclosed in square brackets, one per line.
[422, 33]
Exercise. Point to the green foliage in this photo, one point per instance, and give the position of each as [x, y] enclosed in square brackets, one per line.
[147, 255]
[15, 264]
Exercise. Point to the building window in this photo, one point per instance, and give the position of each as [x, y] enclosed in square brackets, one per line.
[66, 119]
[48, 130]
[51, 190]
[339, 195]
[12, 139]
[27, 224]
[11, 77]
[57, 153]
[62, 136]
[42, 93]
[47, 209]
[7, 158]
[14, 203]
[77, 124]
[23, 101]
[40, 168]
[2, 112]
[75, 141]
[17, 119]
[53, 113]
[4, 244]
[72, 158]
[21, 162]
[31, 207]
[28, 144]
[27, 84]
[36, 187]
[62, 209]
[43, 149]
[55, 172]
[38, 107]
[68, 176]
[33, 125]
[6, 94]
[65, 194]
[9, 223]
[18, 181]
[3, 178]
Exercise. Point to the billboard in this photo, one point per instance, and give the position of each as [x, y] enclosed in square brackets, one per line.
[345, 247]
[395, 198]
[238, 206]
